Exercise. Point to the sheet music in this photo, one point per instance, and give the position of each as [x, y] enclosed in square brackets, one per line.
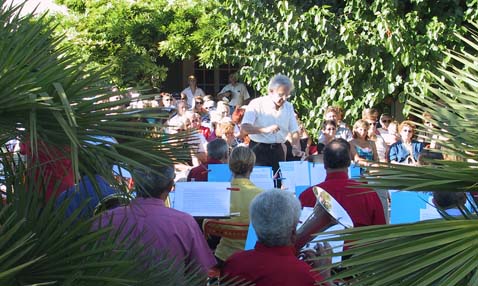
[203, 199]
[317, 173]
[261, 176]
[295, 173]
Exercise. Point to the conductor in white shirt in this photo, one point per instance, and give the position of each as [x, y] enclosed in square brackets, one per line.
[268, 120]
[191, 91]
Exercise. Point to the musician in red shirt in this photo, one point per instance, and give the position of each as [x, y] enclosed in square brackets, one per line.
[362, 204]
[274, 215]
[217, 153]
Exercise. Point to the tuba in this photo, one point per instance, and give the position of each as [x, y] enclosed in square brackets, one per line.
[327, 213]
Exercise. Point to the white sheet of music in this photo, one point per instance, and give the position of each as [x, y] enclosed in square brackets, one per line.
[203, 199]
[261, 176]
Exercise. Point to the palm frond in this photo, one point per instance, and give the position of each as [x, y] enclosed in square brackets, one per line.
[437, 252]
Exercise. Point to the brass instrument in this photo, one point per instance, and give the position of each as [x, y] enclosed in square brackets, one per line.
[327, 213]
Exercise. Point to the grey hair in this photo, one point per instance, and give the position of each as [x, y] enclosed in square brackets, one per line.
[274, 215]
[217, 149]
[152, 184]
[280, 80]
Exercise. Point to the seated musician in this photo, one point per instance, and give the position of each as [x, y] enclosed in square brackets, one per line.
[241, 163]
[275, 215]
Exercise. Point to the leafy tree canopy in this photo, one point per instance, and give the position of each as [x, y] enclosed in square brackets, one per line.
[124, 36]
[351, 53]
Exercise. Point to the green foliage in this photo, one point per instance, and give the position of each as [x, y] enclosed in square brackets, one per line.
[439, 252]
[351, 53]
[40, 245]
[47, 99]
[125, 36]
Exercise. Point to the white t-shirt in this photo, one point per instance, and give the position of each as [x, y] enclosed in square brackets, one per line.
[239, 93]
[262, 112]
[190, 95]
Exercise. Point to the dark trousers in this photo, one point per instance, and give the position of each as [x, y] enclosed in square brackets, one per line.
[268, 155]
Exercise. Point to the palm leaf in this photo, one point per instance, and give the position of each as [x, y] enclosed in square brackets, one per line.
[48, 100]
[438, 252]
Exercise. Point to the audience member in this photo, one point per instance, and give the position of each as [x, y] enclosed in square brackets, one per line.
[241, 163]
[197, 138]
[235, 92]
[342, 131]
[273, 261]
[340, 115]
[209, 104]
[385, 120]
[268, 120]
[51, 167]
[225, 130]
[374, 136]
[407, 150]
[362, 204]
[167, 100]
[305, 143]
[148, 220]
[388, 129]
[329, 130]
[236, 118]
[222, 109]
[363, 150]
[370, 113]
[217, 153]
[191, 91]
[199, 107]
[179, 122]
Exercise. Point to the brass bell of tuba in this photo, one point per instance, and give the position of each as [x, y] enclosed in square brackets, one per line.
[327, 213]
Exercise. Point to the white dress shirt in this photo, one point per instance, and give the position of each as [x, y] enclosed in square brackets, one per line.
[239, 93]
[262, 112]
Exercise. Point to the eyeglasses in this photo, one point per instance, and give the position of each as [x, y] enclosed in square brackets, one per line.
[284, 96]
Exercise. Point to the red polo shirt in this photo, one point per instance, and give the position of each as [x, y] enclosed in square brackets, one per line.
[267, 266]
[200, 173]
[362, 204]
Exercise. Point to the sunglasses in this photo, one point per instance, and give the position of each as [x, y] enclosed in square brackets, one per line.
[198, 102]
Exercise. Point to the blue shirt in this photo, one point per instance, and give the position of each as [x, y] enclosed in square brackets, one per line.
[86, 191]
[398, 151]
